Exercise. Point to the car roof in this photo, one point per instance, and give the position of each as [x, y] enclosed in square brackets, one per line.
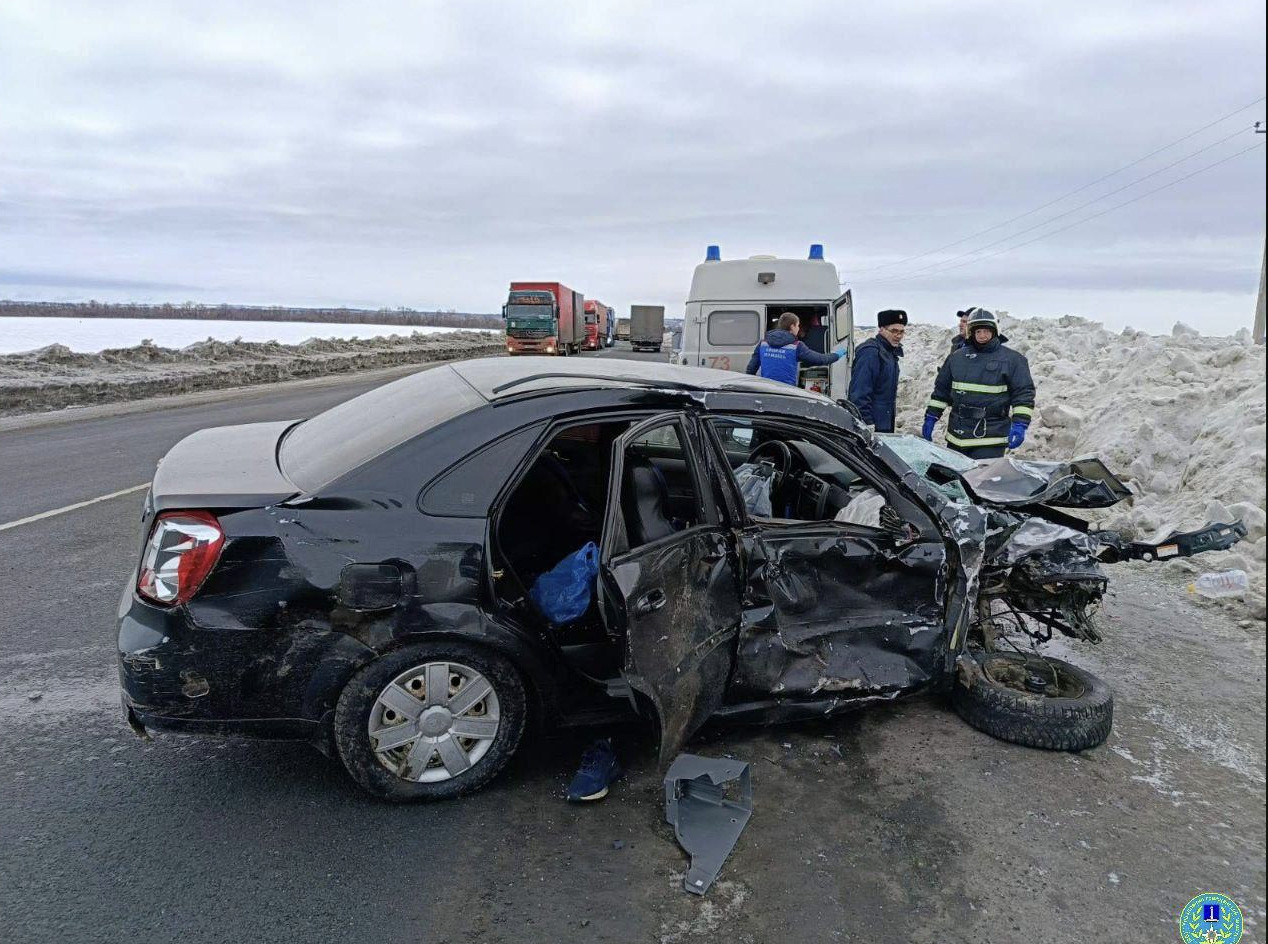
[319, 450]
[495, 378]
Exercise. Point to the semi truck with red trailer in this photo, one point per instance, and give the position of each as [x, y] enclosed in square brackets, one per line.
[600, 326]
[544, 318]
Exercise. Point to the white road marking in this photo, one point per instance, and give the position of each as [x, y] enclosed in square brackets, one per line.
[83, 504]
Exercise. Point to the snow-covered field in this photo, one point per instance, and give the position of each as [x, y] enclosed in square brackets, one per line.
[89, 335]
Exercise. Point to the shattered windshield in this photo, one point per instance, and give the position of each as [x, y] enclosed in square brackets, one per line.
[920, 454]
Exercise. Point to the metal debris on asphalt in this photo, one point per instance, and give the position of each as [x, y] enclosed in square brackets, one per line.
[706, 823]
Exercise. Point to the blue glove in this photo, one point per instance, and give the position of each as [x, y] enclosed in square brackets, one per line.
[1016, 434]
[930, 422]
[840, 351]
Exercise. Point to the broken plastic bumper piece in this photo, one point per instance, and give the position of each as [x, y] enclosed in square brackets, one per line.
[706, 823]
[1214, 537]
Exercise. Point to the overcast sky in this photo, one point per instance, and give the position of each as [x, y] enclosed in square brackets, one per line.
[380, 154]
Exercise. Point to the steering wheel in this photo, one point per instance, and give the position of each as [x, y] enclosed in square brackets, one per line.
[783, 462]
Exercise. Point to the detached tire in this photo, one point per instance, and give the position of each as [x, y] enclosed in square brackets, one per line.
[430, 721]
[998, 693]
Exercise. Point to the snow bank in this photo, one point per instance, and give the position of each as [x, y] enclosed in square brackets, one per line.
[1181, 419]
[54, 377]
[20, 335]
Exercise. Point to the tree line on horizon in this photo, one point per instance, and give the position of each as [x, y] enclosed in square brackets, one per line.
[388, 316]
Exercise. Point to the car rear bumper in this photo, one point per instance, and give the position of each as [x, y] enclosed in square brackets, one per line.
[175, 676]
[269, 729]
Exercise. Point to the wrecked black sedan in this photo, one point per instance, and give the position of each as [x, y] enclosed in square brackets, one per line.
[363, 579]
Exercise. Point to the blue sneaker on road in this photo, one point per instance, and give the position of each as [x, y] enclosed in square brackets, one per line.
[598, 771]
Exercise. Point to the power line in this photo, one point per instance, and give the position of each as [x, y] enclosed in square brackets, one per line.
[1020, 216]
[1062, 229]
[1052, 219]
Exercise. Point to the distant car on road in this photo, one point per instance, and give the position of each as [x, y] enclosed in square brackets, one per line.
[363, 579]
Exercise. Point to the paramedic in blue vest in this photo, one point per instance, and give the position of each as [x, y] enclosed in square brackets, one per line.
[988, 389]
[874, 375]
[778, 356]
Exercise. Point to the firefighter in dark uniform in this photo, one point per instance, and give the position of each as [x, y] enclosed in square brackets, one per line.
[989, 390]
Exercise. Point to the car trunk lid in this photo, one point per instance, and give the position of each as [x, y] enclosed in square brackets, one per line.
[223, 467]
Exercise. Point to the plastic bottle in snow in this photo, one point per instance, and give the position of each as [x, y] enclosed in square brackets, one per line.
[1227, 583]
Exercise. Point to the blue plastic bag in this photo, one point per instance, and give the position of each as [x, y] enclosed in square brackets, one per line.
[563, 593]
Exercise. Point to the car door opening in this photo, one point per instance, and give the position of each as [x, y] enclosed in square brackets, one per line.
[843, 577]
[555, 509]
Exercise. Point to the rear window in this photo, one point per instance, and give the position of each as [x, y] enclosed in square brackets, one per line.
[319, 450]
[732, 328]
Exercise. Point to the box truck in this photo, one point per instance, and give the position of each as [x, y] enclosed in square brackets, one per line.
[733, 303]
[647, 327]
[543, 318]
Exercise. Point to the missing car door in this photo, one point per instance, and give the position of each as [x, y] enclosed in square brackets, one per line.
[843, 583]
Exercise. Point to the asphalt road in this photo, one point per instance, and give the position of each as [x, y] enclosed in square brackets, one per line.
[898, 824]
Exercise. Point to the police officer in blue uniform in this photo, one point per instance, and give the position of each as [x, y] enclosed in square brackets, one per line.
[989, 390]
[874, 375]
[778, 355]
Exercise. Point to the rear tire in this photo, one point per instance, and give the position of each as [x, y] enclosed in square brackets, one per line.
[1074, 713]
[497, 721]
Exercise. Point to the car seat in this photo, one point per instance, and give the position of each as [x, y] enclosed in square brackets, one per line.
[546, 519]
[645, 498]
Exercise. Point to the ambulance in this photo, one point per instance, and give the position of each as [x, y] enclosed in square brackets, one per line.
[734, 302]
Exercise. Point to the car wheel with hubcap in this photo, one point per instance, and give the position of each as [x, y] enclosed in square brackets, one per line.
[430, 721]
[1029, 699]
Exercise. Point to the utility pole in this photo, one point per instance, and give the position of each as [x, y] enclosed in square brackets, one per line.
[1259, 305]
[1263, 270]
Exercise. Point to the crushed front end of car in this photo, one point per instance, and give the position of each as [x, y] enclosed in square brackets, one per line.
[1037, 567]
[1042, 566]
[1046, 572]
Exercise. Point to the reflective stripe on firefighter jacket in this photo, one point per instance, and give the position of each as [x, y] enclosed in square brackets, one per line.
[987, 388]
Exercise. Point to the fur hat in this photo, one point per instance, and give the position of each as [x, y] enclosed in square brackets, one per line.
[890, 316]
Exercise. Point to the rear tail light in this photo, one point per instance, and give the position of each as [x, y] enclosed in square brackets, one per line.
[182, 549]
